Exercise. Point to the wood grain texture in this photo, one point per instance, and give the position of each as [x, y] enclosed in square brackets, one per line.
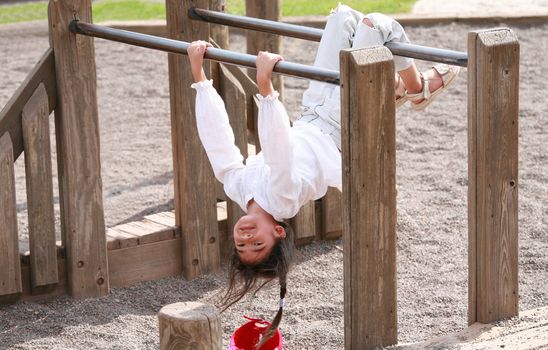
[41, 220]
[10, 116]
[493, 115]
[145, 262]
[257, 41]
[190, 325]
[77, 132]
[331, 217]
[369, 197]
[195, 194]
[10, 271]
[304, 224]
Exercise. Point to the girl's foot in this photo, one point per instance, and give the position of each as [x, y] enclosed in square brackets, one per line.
[434, 81]
[401, 94]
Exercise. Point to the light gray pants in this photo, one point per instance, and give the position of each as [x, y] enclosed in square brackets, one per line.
[345, 29]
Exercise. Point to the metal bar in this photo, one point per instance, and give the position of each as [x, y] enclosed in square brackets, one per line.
[220, 55]
[313, 34]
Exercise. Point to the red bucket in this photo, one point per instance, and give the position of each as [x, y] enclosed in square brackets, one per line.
[248, 335]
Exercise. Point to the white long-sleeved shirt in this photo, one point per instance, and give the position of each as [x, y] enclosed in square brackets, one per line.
[297, 164]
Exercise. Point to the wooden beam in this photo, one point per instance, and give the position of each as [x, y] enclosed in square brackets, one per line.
[10, 272]
[493, 115]
[77, 131]
[332, 214]
[145, 262]
[369, 197]
[41, 218]
[10, 116]
[195, 194]
[304, 224]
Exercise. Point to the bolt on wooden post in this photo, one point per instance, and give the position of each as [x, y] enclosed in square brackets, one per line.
[369, 197]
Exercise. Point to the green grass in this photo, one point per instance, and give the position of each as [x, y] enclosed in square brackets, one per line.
[145, 9]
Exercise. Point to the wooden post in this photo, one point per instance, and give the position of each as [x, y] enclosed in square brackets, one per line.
[189, 325]
[195, 190]
[493, 114]
[77, 130]
[331, 214]
[43, 251]
[10, 272]
[369, 197]
[257, 41]
[304, 224]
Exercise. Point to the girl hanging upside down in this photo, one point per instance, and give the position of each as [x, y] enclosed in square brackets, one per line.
[297, 163]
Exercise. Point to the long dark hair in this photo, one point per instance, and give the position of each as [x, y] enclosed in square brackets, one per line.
[244, 278]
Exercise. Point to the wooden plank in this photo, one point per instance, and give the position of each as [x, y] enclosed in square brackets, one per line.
[258, 41]
[369, 198]
[235, 101]
[332, 214]
[304, 224]
[77, 131]
[10, 273]
[41, 219]
[148, 231]
[166, 218]
[10, 116]
[145, 262]
[47, 292]
[195, 195]
[494, 115]
[118, 239]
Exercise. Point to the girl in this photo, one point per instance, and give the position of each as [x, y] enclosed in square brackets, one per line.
[297, 163]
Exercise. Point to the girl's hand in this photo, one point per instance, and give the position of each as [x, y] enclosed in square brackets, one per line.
[265, 64]
[196, 52]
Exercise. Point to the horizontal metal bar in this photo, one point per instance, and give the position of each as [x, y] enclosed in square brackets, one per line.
[219, 55]
[313, 34]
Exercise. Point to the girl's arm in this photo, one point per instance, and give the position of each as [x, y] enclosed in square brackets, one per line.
[285, 189]
[214, 128]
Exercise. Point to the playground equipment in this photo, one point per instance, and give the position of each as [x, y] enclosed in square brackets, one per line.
[91, 260]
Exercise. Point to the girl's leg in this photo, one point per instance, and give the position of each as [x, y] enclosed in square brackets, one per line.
[378, 29]
[338, 35]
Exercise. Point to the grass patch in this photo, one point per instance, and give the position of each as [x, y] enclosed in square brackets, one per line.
[145, 9]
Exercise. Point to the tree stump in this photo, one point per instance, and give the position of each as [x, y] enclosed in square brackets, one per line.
[189, 325]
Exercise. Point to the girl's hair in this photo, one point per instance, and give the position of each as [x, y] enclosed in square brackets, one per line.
[243, 278]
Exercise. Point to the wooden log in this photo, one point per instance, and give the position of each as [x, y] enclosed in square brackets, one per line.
[189, 325]
[369, 197]
[77, 131]
[10, 271]
[10, 116]
[257, 41]
[43, 251]
[493, 114]
[195, 190]
[332, 214]
[235, 101]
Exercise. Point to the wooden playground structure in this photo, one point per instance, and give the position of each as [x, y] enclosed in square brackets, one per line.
[195, 238]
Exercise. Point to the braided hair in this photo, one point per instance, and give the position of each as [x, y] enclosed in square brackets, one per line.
[244, 278]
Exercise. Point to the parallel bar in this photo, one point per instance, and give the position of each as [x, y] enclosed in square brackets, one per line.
[220, 55]
[313, 34]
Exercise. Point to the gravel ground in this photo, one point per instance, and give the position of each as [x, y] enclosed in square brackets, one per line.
[432, 224]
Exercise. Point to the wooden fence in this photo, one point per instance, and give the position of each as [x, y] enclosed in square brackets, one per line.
[192, 239]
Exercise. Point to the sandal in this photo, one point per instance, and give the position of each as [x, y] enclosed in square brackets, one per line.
[401, 94]
[447, 74]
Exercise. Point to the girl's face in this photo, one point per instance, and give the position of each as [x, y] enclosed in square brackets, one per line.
[255, 234]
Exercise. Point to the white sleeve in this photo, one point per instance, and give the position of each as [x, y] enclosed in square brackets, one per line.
[215, 132]
[284, 188]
